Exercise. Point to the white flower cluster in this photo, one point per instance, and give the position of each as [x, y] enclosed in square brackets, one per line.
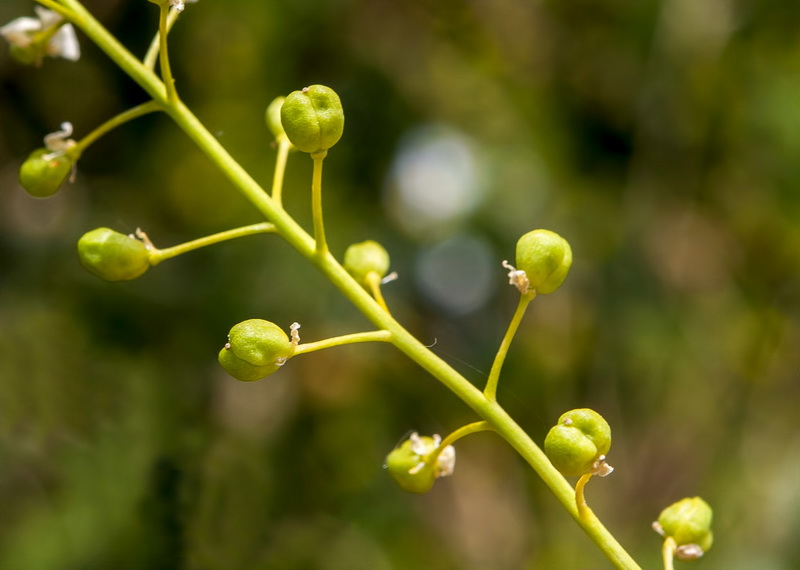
[24, 33]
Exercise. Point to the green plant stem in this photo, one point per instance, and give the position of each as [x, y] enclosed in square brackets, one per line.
[153, 51]
[280, 168]
[288, 228]
[463, 431]
[668, 552]
[580, 497]
[159, 255]
[58, 9]
[121, 119]
[370, 336]
[316, 203]
[374, 285]
[494, 374]
[166, 71]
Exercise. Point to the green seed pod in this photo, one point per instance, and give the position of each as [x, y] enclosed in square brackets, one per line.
[688, 522]
[26, 55]
[361, 259]
[273, 118]
[113, 256]
[255, 349]
[545, 257]
[42, 174]
[313, 118]
[406, 463]
[579, 440]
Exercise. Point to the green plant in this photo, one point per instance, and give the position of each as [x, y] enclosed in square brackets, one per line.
[312, 120]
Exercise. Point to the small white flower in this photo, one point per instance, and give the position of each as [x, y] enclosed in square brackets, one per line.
[24, 32]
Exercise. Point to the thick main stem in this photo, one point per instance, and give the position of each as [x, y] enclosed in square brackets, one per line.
[487, 409]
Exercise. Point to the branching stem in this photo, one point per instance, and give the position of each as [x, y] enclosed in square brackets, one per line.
[316, 251]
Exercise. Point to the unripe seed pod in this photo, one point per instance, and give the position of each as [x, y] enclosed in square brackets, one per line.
[42, 174]
[113, 256]
[580, 439]
[272, 116]
[361, 259]
[313, 118]
[407, 467]
[545, 257]
[27, 55]
[256, 348]
[688, 521]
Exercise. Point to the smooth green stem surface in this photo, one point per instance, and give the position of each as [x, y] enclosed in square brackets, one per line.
[280, 168]
[494, 374]
[370, 336]
[374, 285]
[580, 497]
[668, 552]
[58, 9]
[288, 228]
[159, 255]
[466, 430]
[166, 71]
[316, 203]
[155, 46]
[121, 119]
[463, 431]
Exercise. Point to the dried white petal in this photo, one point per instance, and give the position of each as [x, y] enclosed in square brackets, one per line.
[48, 18]
[689, 552]
[658, 528]
[295, 327]
[20, 32]
[447, 462]
[64, 44]
[517, 277]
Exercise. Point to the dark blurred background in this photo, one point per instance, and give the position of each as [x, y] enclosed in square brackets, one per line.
[660, 138]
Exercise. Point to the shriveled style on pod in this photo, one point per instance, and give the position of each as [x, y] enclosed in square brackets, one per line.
[361, 259]
[313, 118]
[579, 441]
[43, 173]
[113, 256]
[545, 257]
[255, 349]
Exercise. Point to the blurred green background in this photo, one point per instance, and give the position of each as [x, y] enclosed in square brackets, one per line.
[661, 138]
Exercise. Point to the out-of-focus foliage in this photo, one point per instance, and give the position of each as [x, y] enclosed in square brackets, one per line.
[660, 138]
